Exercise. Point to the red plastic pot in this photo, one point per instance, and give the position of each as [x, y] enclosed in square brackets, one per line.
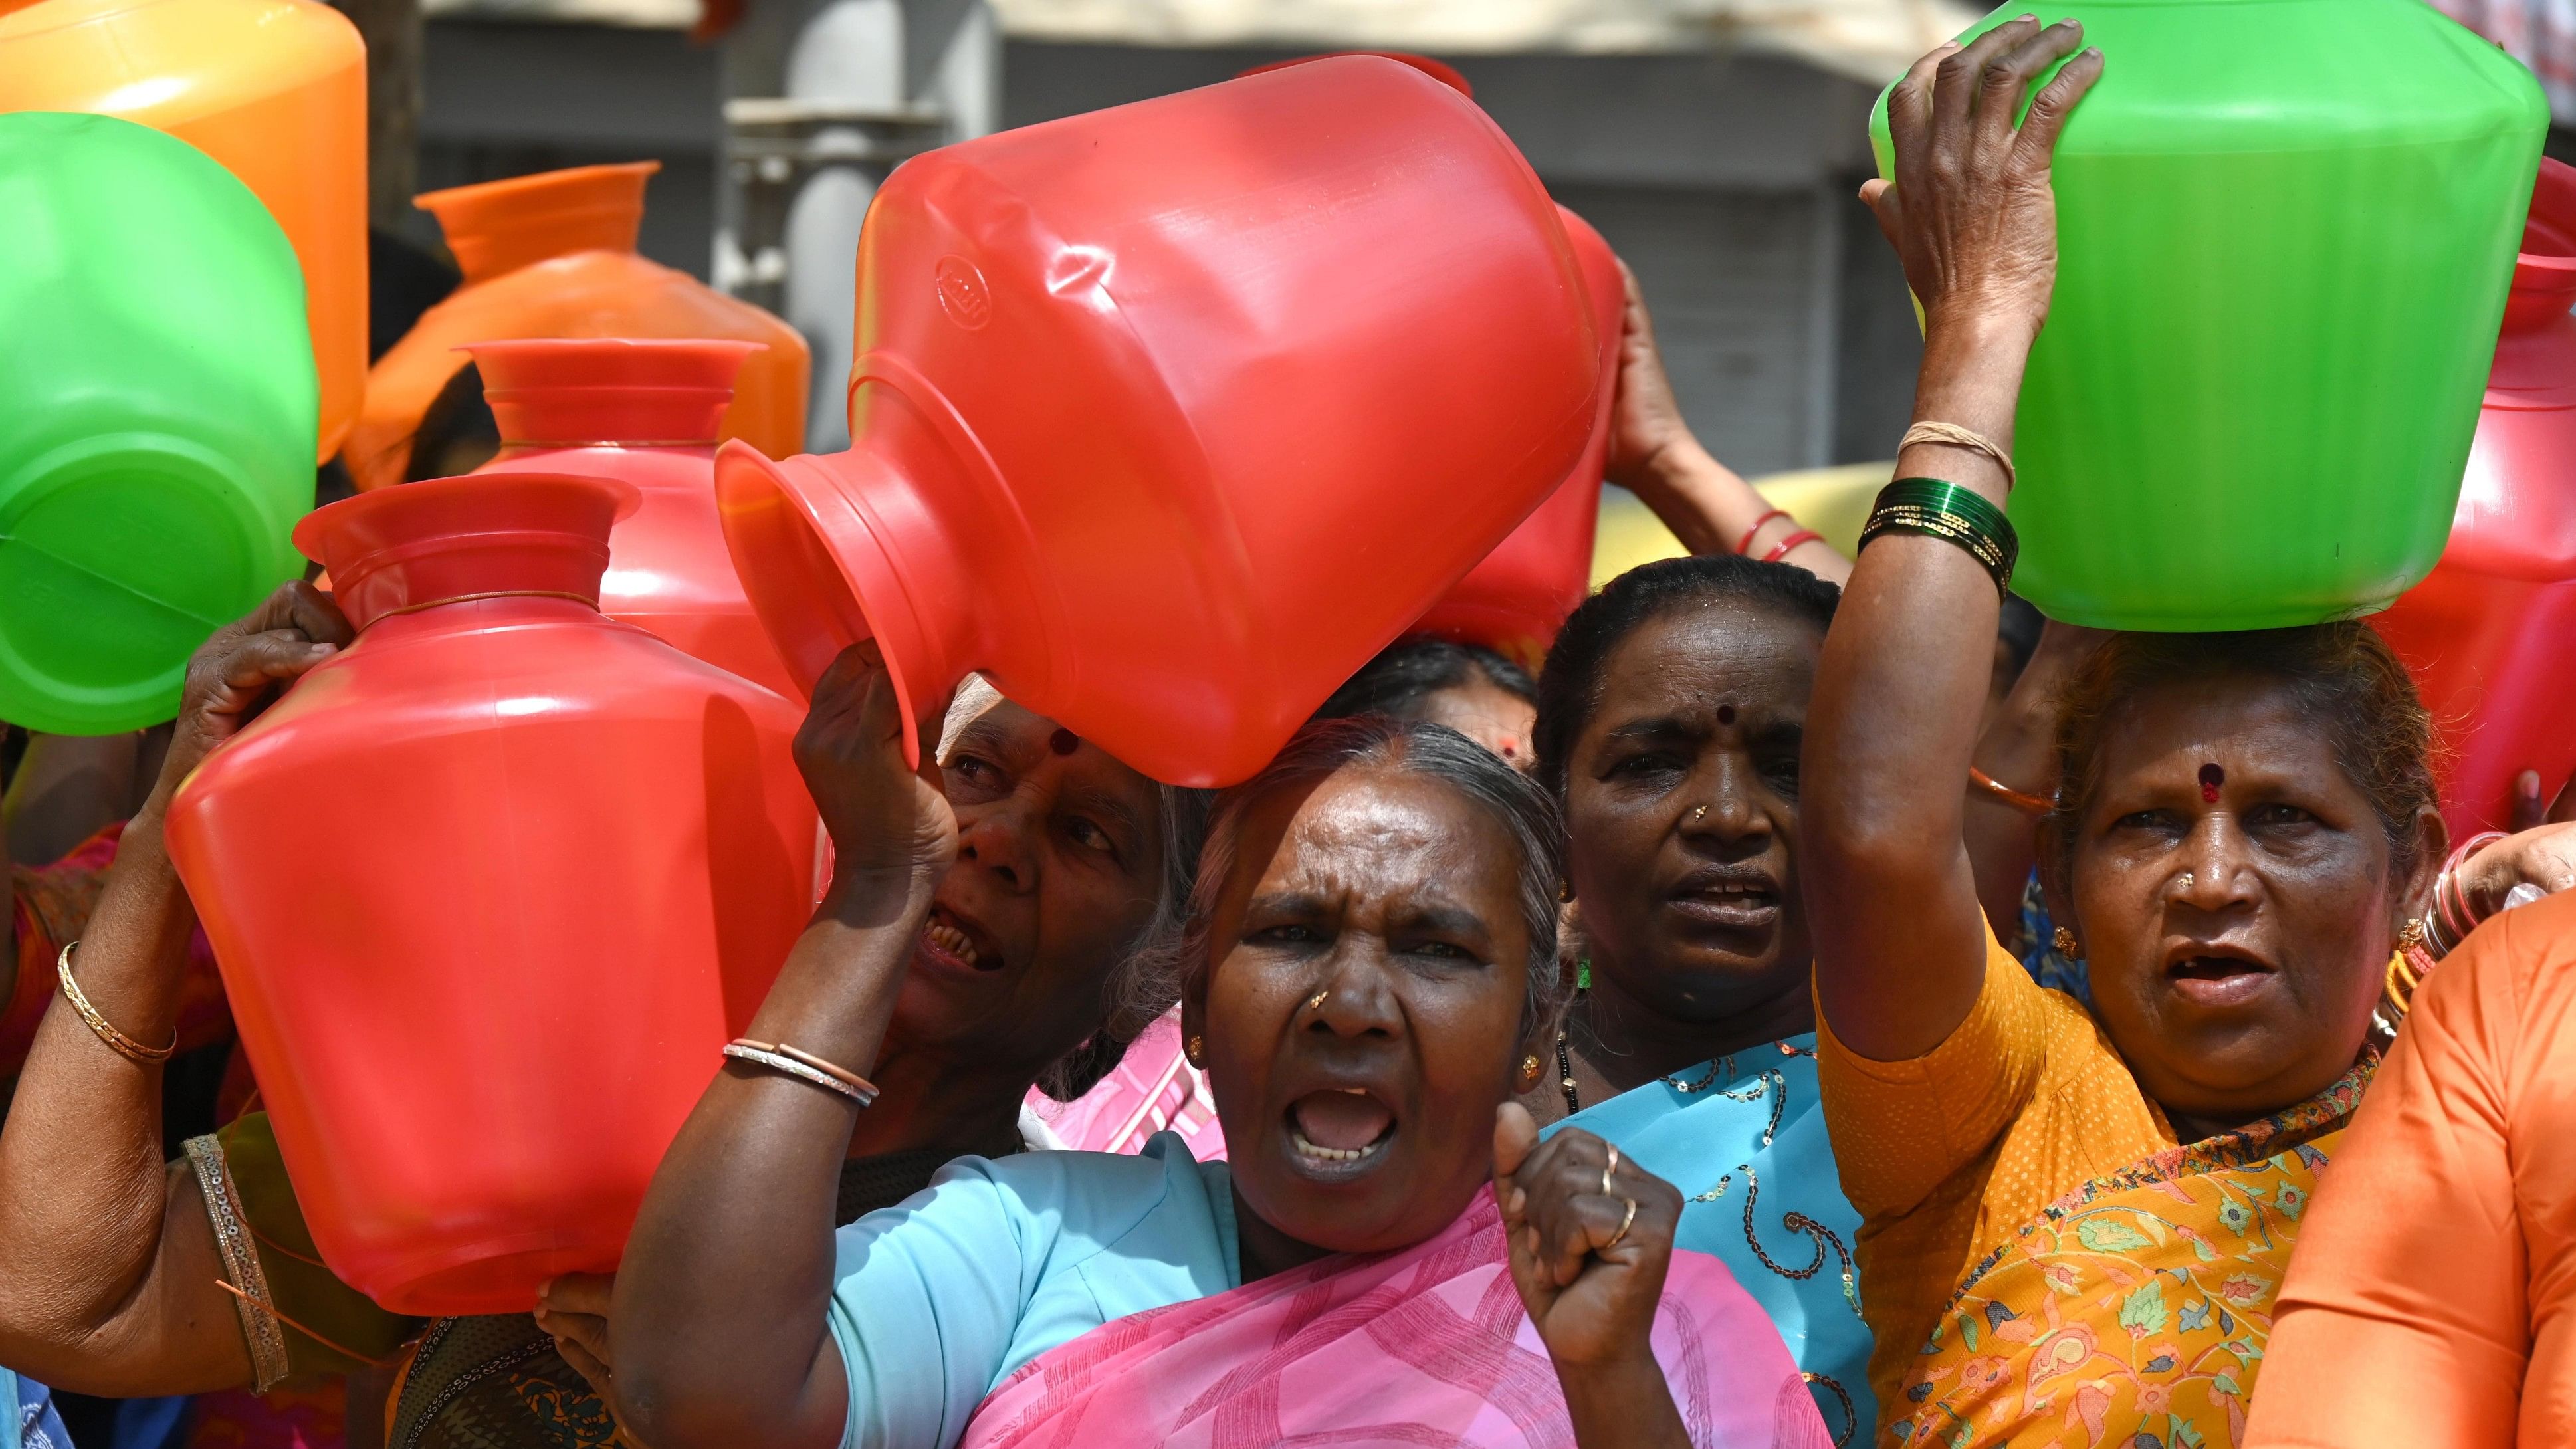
[1169, 416]
[490, 890]
[1518, 598]
[646, 412]
[2488, 635]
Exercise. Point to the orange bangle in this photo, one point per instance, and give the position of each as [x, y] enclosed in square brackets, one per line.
[2025, 803]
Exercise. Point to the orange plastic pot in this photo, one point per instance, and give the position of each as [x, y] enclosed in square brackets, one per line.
[490, 889]
[275, 90]
[553, 255]
[2488, 634]
[645, 412]
[1518, 598]
[1169, 416]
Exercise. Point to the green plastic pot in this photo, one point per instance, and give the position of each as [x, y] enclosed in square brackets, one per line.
[157, 416]
[2285, 233]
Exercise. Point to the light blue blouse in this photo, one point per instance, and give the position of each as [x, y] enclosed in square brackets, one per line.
[1744, 1139]
[938, 1298]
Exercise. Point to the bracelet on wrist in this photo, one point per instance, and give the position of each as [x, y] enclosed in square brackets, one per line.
[1939, 509]
[1745, 544]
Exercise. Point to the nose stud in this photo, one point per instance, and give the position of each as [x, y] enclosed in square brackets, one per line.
[1316, 1000]
[2184, 881]
[1697, 811]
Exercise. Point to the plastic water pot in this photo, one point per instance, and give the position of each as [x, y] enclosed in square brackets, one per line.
[561, 864]
[156, 416]
[2285, 229]
[553, 255]
[1169, 416]
[2491, 635]
[276, 90]
[645, 412]
[1519, 596]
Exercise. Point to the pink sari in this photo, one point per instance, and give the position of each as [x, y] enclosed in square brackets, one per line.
[1153, 1089]
[1427, 1346]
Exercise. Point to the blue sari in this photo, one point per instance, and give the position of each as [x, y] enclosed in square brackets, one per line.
[27, 1416]
[1744, 1139]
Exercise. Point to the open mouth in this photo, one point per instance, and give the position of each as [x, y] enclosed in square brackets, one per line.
[1738, 899]
[2216, 978]
[1339, 1128]
[951, 942]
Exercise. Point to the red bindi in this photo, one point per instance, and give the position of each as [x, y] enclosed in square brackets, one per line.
[2211, 777]
[1726, 714]
[1064, 742]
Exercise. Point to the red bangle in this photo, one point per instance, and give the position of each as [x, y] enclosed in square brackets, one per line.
[1781, 549]
[1746, 541]
[2448, 899]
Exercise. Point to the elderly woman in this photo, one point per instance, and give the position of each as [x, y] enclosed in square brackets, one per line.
[2075, 1224]
[1670, 719]
[112, 1278]
[1368, 976]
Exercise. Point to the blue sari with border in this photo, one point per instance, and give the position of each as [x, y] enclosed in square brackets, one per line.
[1743, 1137]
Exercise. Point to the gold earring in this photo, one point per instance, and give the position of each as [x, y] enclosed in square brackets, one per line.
[2064, 941]
[1316, 1000]
[1529, 1065]
[2411, 935]
[1192, 1048]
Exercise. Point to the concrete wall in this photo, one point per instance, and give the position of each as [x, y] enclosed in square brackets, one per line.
[1725, 181]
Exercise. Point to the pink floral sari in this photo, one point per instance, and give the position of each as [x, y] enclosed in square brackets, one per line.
[1427, 1346]
[1153, 1089]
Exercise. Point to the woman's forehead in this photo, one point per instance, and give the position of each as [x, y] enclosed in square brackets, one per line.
[1371, 831]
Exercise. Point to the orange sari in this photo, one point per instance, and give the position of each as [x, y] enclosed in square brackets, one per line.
[2135, 1309]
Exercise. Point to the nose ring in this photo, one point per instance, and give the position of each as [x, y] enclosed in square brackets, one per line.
[1317, 999]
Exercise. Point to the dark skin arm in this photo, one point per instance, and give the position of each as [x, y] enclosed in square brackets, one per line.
[1655, 455]
[108, 1267]
[1591, 1290]
[716, 1326]
[1892, 895]
[2020, 749]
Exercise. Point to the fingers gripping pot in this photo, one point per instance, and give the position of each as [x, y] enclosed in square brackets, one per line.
[1169, 416]
[2284, 234]
[563, 862]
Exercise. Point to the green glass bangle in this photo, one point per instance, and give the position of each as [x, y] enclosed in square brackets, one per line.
[1944, 510]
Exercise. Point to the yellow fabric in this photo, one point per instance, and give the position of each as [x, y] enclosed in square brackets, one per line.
[1949, 1154]
[2136, 1309]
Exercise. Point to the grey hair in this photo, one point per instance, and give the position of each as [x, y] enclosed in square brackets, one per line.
[1182, 814]
[1527, 813]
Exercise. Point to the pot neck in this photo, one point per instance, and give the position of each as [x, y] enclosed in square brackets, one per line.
[497, 227]
[614, 391]
[486, 536]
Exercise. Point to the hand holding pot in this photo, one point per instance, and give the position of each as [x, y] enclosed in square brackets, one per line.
[242, 668]
[886, 819]
[1971, 213]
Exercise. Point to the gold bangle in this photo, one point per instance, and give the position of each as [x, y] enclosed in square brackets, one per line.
[1997, 790]
[117, 1041]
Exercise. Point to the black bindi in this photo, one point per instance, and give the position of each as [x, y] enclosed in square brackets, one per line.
[1064, 742]
[1726, 714]
[2211, 777]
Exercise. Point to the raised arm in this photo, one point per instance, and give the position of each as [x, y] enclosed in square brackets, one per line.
[108, 1265]
[1900, 938]
[1655, 455]
[717, 1327]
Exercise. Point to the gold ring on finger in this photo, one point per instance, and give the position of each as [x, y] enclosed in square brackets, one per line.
[1625, 1224]
[1607, 1169]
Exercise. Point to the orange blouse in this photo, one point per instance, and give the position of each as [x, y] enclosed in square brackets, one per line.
[2429, 1303]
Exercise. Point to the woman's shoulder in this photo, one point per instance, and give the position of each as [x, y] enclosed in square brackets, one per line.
[1077, 1200]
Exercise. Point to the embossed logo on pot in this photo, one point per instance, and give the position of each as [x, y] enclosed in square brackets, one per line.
[962, 294]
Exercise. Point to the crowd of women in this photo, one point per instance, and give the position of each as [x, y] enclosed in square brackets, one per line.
[1822, 1007]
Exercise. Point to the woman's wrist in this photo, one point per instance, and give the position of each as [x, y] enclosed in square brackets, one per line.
[1707, 505]
[1621, 1402]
